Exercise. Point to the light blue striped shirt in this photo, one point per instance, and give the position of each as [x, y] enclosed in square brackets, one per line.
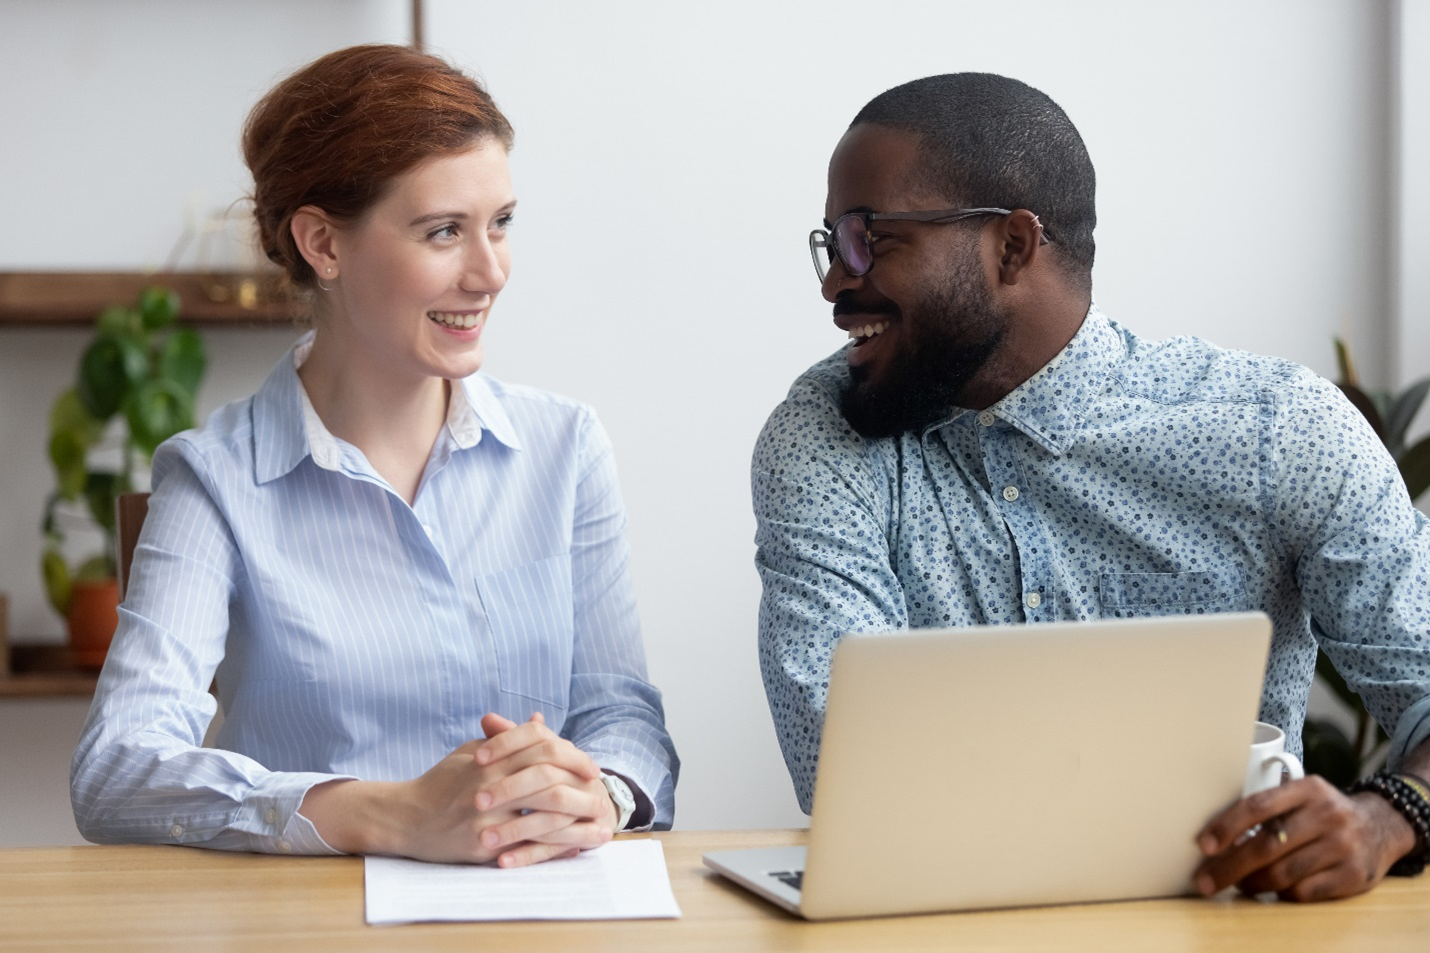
[351, 635]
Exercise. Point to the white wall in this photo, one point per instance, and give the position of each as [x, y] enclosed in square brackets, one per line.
[1411, 212]
[670, 161]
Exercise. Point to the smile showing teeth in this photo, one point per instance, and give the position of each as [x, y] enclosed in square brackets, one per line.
[867, 331]
[449, 319]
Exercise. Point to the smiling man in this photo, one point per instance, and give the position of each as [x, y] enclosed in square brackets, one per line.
[990, 448]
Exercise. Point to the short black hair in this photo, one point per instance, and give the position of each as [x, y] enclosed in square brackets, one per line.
[988, 140]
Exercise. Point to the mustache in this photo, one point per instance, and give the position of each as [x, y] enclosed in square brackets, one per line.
[844, 303]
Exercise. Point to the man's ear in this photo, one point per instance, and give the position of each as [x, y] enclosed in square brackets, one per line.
[1021, 237]
[316, 235]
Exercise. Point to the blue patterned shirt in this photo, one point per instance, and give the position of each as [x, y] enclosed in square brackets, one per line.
[1125, 478]
[352, 635]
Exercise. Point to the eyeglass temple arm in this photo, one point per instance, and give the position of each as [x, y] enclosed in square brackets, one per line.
[937, 215]
[940, 216]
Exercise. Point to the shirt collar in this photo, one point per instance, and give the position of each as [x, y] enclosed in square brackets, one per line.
[474, 407]
[1049, 406]
[286, 428]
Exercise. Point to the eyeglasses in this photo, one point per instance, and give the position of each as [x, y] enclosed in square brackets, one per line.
[848, 241]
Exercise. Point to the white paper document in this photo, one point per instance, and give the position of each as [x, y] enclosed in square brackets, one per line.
[623, 880]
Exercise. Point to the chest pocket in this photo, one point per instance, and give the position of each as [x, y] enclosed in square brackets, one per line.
[1127, 595]
[530, 612]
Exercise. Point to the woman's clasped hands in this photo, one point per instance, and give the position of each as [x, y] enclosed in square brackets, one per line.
[521, 796]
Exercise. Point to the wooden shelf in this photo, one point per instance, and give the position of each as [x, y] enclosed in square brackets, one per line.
[74, 298]
[45, 671]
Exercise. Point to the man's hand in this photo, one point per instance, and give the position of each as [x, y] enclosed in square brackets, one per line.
[1315, 843]
[553, 789]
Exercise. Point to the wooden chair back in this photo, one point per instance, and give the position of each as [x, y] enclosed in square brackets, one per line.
[129, 512]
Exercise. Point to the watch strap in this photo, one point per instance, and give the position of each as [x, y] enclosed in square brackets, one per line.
[621, 796]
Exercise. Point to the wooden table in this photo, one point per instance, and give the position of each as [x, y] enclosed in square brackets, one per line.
[175, 898]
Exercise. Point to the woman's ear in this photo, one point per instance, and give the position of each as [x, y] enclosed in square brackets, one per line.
[315, 234]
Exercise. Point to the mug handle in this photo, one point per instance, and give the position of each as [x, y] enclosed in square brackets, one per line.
[1289, 762]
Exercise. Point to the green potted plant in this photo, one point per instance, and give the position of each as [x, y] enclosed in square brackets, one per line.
[1329, 751]
[134, 389]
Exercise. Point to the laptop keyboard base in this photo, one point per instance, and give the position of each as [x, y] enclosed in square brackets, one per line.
[790, 878]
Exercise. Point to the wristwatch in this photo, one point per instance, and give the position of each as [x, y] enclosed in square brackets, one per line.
[621, 795]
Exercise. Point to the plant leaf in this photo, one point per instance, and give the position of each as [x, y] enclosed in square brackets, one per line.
[1382, 400]
[48, 526]
[100, 489]
[72, 432]
[67, 454]
[1415, 468]
[1344, 365]
[1366, 406]
[57, 580]
[158, 307]
[69, 416]
[1402, 413]
[156, 411]
[95, 569]
[1328, 674]
[1327, 752]
[109, 368]
[119, 320]
[183, 360]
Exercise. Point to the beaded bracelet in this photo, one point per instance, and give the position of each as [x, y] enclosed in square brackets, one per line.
[1410, 799]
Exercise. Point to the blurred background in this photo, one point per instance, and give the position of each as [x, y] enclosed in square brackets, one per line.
[1263, 167]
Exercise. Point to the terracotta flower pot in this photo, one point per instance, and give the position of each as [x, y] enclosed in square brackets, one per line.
[93, 616]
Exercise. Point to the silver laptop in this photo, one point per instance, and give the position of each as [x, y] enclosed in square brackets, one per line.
[1019, 765]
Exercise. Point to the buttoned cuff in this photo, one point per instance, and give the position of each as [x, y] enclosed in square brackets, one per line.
[271, 819]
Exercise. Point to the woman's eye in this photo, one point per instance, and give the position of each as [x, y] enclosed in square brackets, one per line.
[504, 222]
[445, 233]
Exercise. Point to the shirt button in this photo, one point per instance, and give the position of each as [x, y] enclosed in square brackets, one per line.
[285, 847]
[1010, 493]
[271, 816]
[986, 418]
[1034, 600]
[176, 830]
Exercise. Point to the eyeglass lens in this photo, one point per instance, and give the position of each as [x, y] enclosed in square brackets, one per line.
[821, 248]
[848, 243]
[851, 241]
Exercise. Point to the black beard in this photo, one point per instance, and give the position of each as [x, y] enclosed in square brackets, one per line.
[948, 337]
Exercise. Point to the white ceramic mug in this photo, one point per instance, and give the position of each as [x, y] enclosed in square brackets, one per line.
[1268, 760]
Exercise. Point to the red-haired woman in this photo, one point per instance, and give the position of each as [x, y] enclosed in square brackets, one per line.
[407, 580]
